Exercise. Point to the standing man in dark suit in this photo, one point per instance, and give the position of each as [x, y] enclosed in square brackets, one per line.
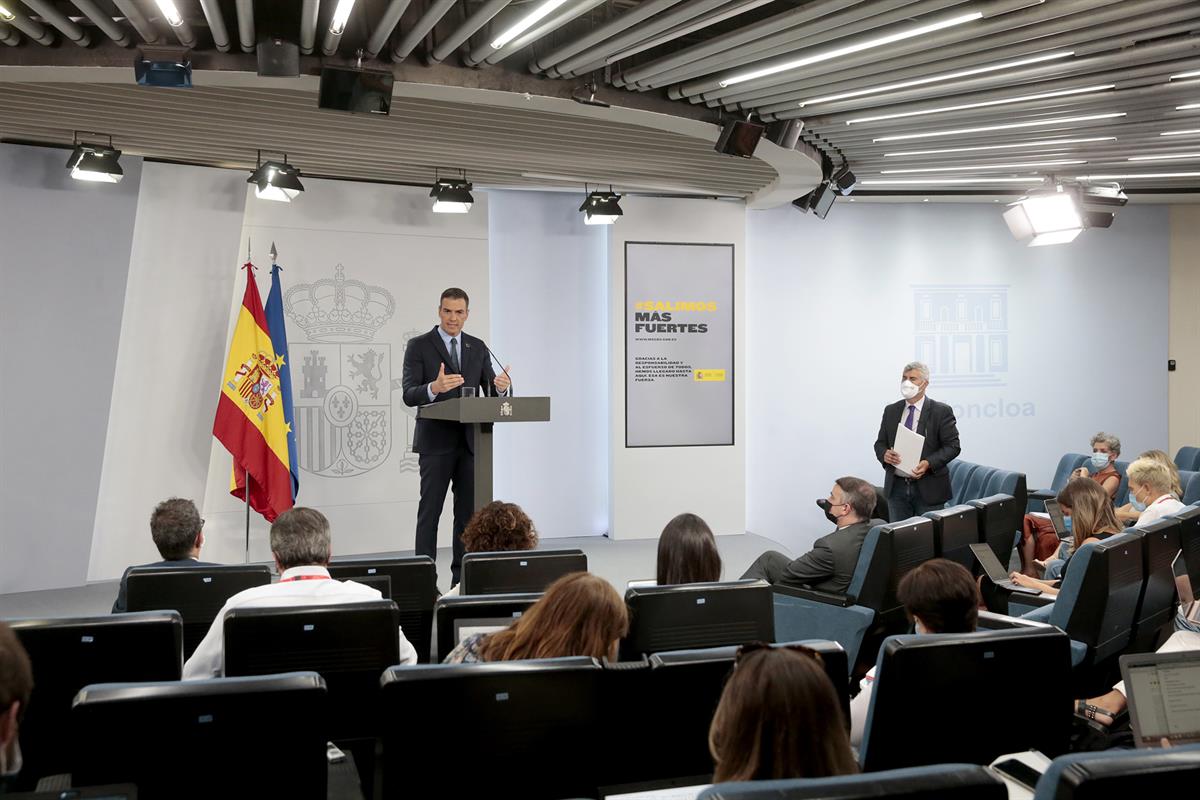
[178, 533]
[830, 564]
[928, 487]
[437, 365]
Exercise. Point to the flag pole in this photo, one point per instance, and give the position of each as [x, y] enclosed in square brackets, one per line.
[246, 473]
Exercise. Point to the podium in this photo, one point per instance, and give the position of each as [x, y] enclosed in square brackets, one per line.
[481, 413]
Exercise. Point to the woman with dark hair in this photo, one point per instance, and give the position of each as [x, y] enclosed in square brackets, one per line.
[938, 596]
[778, 718]
[497, 527]
[687, 552]
[579, 615]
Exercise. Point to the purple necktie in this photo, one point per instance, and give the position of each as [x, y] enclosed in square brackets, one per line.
[908, 422]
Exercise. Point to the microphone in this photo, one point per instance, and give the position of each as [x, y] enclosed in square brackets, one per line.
[500, 364]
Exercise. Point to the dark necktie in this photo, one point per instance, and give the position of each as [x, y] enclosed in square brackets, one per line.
[454, 366]
[908, 423]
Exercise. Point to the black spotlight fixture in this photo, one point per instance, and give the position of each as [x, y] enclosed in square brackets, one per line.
[739, 137]
[94, 162]
[167, 67]
[275, 180]
[843, 180]
[451, 195]
[601, 208]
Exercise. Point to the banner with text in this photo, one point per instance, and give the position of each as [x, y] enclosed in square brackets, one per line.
[678, 344]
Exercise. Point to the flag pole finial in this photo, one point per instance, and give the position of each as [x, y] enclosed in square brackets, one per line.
[274, 255]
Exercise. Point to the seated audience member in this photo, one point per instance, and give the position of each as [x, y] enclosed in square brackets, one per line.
[178, 533]
[938, 596]
[687, 552]
[497, 527]
[830, 564]
[778, 718]
[1104, 709]
[1092, 521]
[1039, 541]
[300, 543]
[1154, 489]
[579, 615]
[16, 684]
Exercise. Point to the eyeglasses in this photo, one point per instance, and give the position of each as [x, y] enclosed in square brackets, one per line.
[754, 647]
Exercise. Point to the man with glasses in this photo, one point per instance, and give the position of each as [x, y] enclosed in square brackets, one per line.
[178, 533]
[830, 564]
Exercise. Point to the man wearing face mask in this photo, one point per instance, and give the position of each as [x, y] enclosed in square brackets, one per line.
[928, 487]
[830, 564]
[16, 684]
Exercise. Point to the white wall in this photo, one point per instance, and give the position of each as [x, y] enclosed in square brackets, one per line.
[833, 310]
[652, 485]
[1185, 327]
[549, 307]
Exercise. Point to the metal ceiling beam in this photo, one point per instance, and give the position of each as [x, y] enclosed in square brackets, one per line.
[598, 34]
[216, 24]
[383, 29]
[107, 25]
[482, 15]
[9, 36]
[65, 25]
[245, 21]
[35, 30]
[484, 53]
[308, 25]
[437, 9]
[138, 20]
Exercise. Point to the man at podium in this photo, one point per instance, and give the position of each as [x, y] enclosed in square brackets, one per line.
[439, 365]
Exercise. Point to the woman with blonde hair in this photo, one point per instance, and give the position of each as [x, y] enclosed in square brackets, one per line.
[779, 718]
[1092, 521]
[1154, 489]
[579, 615]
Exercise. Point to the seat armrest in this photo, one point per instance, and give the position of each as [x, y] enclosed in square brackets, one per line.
[829, 598]
[990, 621]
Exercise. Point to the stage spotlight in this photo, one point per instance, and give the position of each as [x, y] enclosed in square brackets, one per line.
[276, 180]
[451, 196]
[168, 73]
[95, 163]
[844, 180]
[602, 208]
[1050, 218]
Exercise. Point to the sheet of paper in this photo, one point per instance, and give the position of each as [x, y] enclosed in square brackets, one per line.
[908, 445]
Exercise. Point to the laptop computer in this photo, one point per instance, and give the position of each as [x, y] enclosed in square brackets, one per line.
[1054, 511]
[1162, 695]
[996, 571]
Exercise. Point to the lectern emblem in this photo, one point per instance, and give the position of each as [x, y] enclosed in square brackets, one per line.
[506, 409]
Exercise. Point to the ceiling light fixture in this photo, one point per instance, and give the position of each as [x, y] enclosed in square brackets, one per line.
[1004, 127]
[1136, 176]
[341, 13]
[1193, 74]
[1032, 180]
[526, 23]
[1187, 107]
[870, 44]
[7, 15]
[1040, 143]
[275, 180]
[170, 12]
[95, 163]
[601, 208]
[1164, 158]
[1044, 219]
[1180, 133]
[974, 167]
[451, 195]
[949, 76]
[984, 103]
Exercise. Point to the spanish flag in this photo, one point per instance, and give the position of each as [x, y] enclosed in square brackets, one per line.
[250, 417]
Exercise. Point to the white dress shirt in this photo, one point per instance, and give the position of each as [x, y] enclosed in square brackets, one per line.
[291, 590]
[1163, 506]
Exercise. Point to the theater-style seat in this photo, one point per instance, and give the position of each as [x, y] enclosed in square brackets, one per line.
[921, 706]
[1062, 473]
[943, 782]
[1156, 606]
[68, 654]
[1189, 541]
[1188, 458]
[1122, 495]
[1122, 774]
[224, 737]
[697, 615]
[970, 482]
[458, 616]
[413, 582]
[999, 523]
[1097, 607]
[955, 529]
[1189, 481]
[868, 612]
[524, 571]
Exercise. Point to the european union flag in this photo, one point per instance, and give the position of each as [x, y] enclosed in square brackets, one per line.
[274, 312]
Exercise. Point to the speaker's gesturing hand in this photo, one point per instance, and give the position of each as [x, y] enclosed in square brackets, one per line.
[444, 382]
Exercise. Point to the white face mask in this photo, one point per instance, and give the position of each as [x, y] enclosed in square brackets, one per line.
[908, 390]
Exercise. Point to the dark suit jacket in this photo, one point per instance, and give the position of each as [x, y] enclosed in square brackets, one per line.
[424, 355]
[938, 426]
[830, 564]
[119, 607]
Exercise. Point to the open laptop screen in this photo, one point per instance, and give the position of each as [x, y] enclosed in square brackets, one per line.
[1163, 690]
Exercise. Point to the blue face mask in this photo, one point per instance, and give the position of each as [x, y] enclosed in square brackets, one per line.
[1138, 507]
[1099, 461]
